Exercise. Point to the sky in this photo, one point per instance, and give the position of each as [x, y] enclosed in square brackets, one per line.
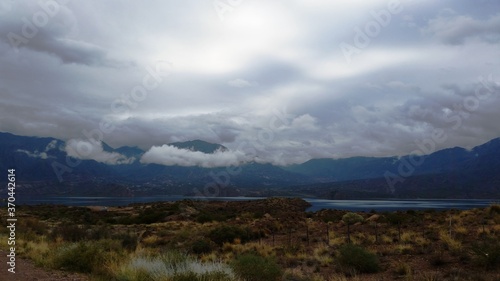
[279, 82]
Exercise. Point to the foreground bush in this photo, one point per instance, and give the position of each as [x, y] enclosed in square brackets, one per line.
[202, 246]
[69, 233]
[251, 267]
[79, 257]
[487, 253]
[172, 266]
[494, 209]
[227, 233]
[353, 257]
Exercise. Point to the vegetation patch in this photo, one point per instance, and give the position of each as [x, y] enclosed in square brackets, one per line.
[252, 267]
[228, 233]
[172, 266]
[272, 239]
[353, 257]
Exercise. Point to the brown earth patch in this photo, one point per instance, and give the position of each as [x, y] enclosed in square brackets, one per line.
[26, 271]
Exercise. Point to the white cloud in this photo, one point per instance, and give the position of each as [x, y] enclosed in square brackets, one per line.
[239, 83]
[170, 155]
[370, 60]
[92, 150]
[43, 155]
[51, 145]
[36, 154]
[304, 122]
[455, 29]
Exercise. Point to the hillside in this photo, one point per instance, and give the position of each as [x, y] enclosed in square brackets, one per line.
[43, 167]
[275, 238]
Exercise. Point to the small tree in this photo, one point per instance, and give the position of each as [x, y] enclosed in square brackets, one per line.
[396, 219]
[350, 219]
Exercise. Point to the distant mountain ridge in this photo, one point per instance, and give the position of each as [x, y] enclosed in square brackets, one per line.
[449, 173]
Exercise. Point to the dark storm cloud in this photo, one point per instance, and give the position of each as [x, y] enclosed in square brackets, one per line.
[269, 82]
[72, 51]
[51, 27]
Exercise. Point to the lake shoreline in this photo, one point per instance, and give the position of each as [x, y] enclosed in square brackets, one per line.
[366, 205]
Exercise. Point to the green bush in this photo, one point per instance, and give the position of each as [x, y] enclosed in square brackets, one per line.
[69, 233]
[81, 257]
[84, 257]
[99, 233]
[357, 258]
[128, 240]
[36, 226]
[487, 253]
[203, 218]
[494, 209]
[227, 233]
[150, 216]
[252, 267]
[437, 258]
[202, 246]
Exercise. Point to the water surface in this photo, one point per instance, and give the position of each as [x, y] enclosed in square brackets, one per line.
[317, 204]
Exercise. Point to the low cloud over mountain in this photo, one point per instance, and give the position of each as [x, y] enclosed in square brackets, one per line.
[170, 155]
[93, 150]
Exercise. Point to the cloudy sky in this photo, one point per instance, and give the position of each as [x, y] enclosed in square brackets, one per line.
[279, 81]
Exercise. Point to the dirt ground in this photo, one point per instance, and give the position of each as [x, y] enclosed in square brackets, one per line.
[27, 271]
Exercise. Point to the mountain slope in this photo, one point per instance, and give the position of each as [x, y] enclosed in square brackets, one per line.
[449, 173]
[483, 158]
[453, 172]
[325, 169]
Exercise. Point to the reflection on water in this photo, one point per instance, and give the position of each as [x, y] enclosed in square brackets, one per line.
[392, 205]
[317, 204]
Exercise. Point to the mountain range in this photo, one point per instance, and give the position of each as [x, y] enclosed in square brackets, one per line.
[43, 168]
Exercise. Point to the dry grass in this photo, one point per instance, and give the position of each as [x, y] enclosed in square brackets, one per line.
[35, 250]
[262, 249]
[496, 228]
[339, 277]
[322, 255]
[453, 245]
[483, 231]
[408, 237]
[297, 274]
[209, 257]
[428, 276]
[422, 242]
[403, 269]
[386, 239]
[145, 265]
[337, 239]
[419, 251]
[403, 249]
[460, 229]
[358, 238]
[150, 240]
